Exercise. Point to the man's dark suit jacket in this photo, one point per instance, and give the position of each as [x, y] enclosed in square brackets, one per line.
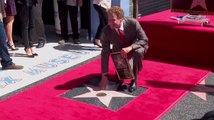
[134, 35]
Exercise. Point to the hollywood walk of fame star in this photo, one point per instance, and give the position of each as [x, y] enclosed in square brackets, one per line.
[202, 3]
[104, 96]
[201, 90]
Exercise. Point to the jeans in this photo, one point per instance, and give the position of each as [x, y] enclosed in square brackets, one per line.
[6, 61]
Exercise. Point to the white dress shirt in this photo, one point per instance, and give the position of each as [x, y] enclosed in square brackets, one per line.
[121, 27]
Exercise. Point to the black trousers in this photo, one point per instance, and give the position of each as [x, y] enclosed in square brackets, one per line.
[27, 24]
[39, 25]
[63, 16]
[136, 62]
[103, 18]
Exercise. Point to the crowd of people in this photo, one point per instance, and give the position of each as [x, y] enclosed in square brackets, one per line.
[29, 13]
[124, 34]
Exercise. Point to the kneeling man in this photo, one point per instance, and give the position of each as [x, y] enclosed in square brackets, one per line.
[127, 37]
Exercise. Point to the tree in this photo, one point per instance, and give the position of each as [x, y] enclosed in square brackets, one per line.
[135, 8]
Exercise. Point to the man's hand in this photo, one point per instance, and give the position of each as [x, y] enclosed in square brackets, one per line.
[103, 83]
[125, 51]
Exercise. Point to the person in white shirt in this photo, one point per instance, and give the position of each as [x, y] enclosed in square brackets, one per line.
[101, 6]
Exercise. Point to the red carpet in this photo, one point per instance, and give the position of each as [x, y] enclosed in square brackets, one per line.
[166, 84]
[186, 43]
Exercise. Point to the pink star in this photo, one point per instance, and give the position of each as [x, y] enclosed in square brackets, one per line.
[201, 90]
[202, 3]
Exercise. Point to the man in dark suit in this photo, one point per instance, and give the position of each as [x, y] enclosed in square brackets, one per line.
[127, 37]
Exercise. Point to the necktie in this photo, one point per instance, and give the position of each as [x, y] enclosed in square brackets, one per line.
[122, 37]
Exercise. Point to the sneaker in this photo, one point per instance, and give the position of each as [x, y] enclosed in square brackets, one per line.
[13, 67]
[76, 41]
[61, 41]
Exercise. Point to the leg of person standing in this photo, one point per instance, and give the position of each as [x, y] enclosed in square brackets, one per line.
[73, 13]
[6, 61]
[5, 56]
[31, 30]
[103, 19]
[63, 16]
[8, 22]
[27, 26]
[39, 25]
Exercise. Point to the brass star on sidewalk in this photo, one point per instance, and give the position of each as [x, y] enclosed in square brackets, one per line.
[202, 3]
[104, 96]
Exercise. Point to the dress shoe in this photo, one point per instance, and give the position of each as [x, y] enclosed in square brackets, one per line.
[12, 47]
[97, 43]
[13, 67]
[41, 43]
[29, 52]
[132, 87]
[35, 54]
[76, 41]
[122, 87]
